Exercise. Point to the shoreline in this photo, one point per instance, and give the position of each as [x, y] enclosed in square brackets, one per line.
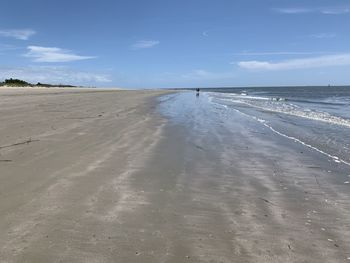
[276, 200]
[135, 177]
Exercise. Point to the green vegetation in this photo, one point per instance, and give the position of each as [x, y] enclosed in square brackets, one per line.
[15, 83]
[50, 85]
[21, 83]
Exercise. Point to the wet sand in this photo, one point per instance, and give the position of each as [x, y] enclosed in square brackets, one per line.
[112, 176]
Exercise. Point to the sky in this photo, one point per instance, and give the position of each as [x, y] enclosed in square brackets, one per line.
[174, 44]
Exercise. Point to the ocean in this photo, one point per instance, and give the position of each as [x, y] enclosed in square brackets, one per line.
[315, 117]
[318, 117]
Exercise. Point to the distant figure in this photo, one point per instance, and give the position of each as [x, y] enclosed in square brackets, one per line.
[197, 90]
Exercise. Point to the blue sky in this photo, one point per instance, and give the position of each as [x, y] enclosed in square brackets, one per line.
[161, 43]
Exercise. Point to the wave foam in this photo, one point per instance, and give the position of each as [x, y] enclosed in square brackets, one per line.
[334, 158]
[280, 105]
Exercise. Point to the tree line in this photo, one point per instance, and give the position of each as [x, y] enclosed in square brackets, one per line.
[21, 83]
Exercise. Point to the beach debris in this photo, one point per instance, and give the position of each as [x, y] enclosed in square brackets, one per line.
[347, 182]
[318, 183]
[267, 201]
[19, 143]
[6, 161]
[314, 167]
[80, 118]
[198, 147]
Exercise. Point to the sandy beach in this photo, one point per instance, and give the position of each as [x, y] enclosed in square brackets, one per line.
[127, 176]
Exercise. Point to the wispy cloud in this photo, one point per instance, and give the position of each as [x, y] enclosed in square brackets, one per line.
[335, 10]
[323, 35]
[293, 10]
[142, 44]
[277, 53]
[21, 34]
[205, 33]
[302, 63]
[6, 47]
[201, 74]
[320, 10]
[53, 54]
[54, 75]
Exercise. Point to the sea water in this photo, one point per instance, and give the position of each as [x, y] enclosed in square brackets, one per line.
[316, 117]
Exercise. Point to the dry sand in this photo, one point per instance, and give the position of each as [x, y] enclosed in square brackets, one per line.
[101, 176]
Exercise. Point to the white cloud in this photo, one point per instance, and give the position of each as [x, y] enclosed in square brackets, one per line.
[142, 44]
[302, 63]
[53, 75]
[52, 54]
[320, 10]
[22, 34]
